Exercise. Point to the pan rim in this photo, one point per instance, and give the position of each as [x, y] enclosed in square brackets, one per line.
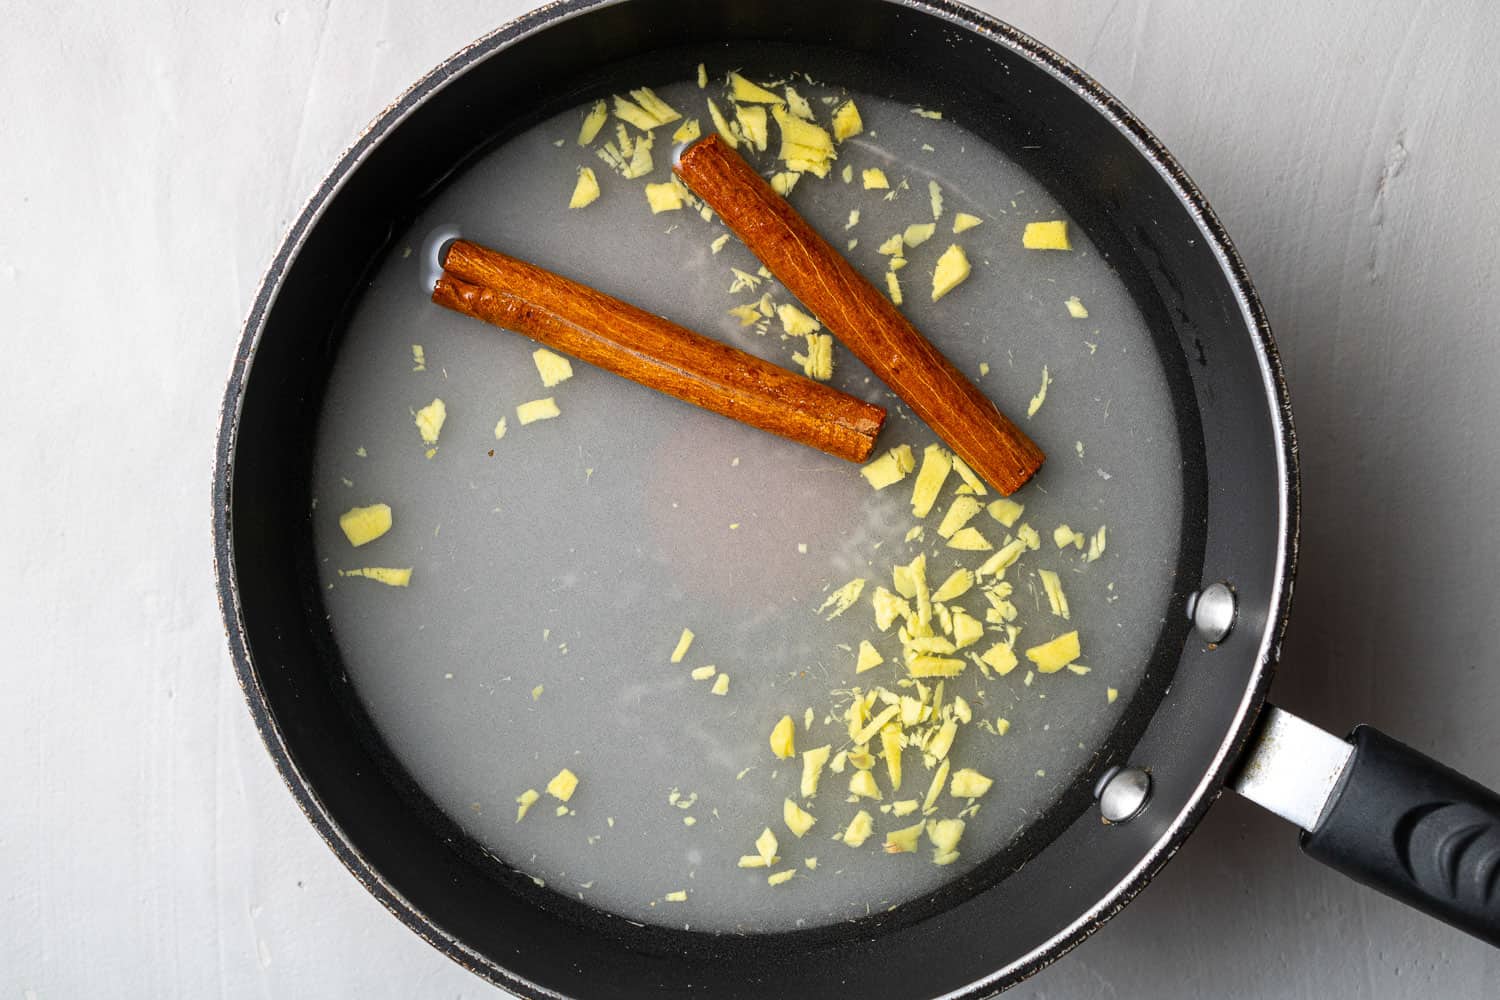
[994, 31]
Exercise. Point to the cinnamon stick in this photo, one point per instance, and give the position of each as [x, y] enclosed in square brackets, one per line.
[654, 352]
[860, 315]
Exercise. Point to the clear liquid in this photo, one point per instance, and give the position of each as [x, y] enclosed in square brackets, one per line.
[572, 557]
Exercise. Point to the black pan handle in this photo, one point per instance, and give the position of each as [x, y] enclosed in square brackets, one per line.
[1402, 823]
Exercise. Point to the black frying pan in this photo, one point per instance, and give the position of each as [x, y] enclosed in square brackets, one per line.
[1374, 809]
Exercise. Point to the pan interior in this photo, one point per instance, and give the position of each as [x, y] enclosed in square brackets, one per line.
[555, 567]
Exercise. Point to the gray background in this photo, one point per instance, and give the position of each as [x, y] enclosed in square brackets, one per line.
[150, 159]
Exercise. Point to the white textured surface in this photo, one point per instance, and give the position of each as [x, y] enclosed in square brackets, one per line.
[150, 160]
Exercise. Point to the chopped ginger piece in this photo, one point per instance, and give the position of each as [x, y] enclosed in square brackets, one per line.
[918, 233]
[1063, 536]
[967, 629]
[960, 512]
[499, 428]
[869, 657]
[721, 685]
[537, 409]
[935, 467]
[524, 802]
[1046, 236]
[951, 270]
[1041, 394]
[957, 585]
[805, 146]
[592, 123]
[859, 829]
[934, 666]
[846, 121]
[1028, 535]
[817, 363]
[874, 179]
[1111, 694]
[943, 741]
[721, 125]
[945, 833]
[362, 525]
[746, 314]
[862, 785]
[703, 673]
[893, 246]
[1050, 657]
[1007, 512]
[680, 896]
[688, 131]
[1076, 308]
[798, 104]
[430, 420]
[890, 750]
[888, 607]
[741, 89]
[969, 540]
[702, 76]
[935, 196]
[655, 106]
[892, 467]
[1055, 596]
[797, 819]
[1000, 657]
[972, 484]
[1003, 559]
[843, 599]
[870, 729]
[813, 762]
[683, 642]
[796, 322]
[935, 788]
[969, 784]
[963, 222]
[753, 124]
[388, 575]
[586, 190]
[783, 738]
[904, 841]
[781, 877]
[765, 846]
[783, 182]
[1096, 545]
[553, 368]
[563, 786]
[664, 197]
[756, 861]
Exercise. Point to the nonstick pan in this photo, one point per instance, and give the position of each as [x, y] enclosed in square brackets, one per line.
[1193, 719]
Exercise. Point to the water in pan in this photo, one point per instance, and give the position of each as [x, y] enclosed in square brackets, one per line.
[555, 568]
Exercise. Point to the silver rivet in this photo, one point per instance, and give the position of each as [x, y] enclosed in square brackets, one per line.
[1122, 793]
[1212, 611]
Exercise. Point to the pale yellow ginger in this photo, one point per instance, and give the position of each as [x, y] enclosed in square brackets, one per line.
[741, 89]
[868, 658]
[552, 368]
[783, 182]
[874, 179]
[1006, 511]
[934, 666]
[703, 673]
[1056, 599]
[781, 877]
[563, 785]
[945, 834]
[797, 104]
[1050, 657]
[967, 629]
[783, 738]
[537, 409]
[585, 189]
[1063, 536]
[918, 233]
[969, 540]
[935, 787]
[1096, 545]
[869, 731]
[963, 222]
[1111, 694]
[679, 896]
[904, 841]
[702, 76]
[968, 783]
[859, 829]
[1046, 236]
[718, 244]
[1029, 536]
[765, 847]
[429, 420]
[1041, 394]
[817, 363]
[847, 122]
[1004, 558]
[688, 131]
[943, 741]
[1076, 308]
[892, 467]
[524, 802]
[936, 465]
[797, 819]
[746, 314]
[972, 484]
[893, 287]
[592, 123]
[756, 861]
[862, 785]
[893, 246]
[890, 750]
[805, 145]
[957, 585]
[796, 322]
[754, 124]
[362, 525]
[721, 125]
[664, 197]
[951, 271]
[391, 576]
[843, 599]
[935, 198]
[684, 642]
[813, 762]
[1000, 658]
[960, 513]
[888, 608]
